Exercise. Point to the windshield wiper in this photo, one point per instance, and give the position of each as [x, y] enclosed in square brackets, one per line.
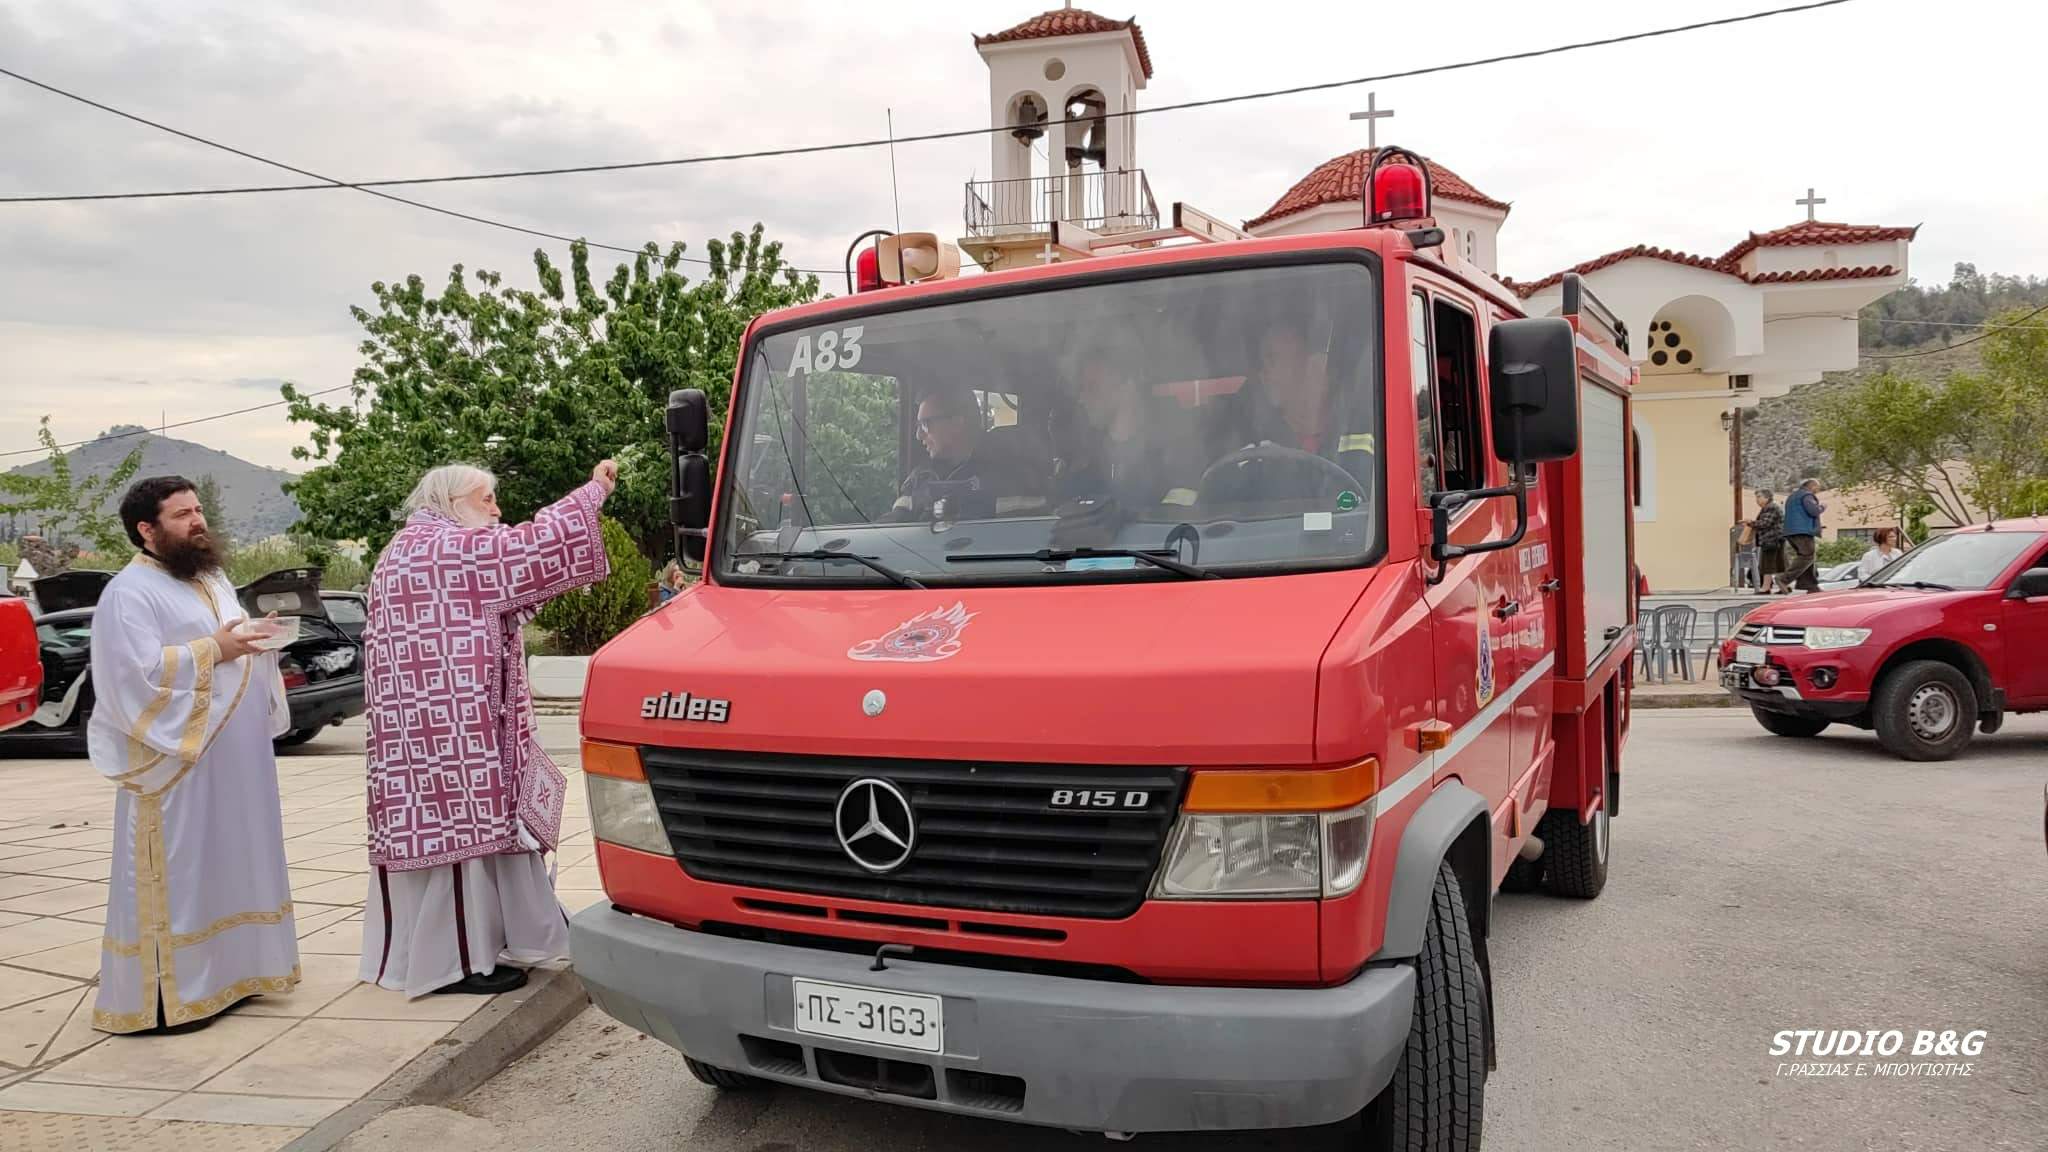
[1924, 585]
[870, 563]
[1162, 560]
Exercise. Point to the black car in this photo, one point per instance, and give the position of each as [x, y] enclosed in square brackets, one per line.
[323, 674]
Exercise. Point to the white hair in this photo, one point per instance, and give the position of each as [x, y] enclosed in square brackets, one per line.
[440, 488]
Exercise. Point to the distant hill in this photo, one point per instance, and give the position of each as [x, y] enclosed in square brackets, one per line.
[1777, 450]
[254, 502]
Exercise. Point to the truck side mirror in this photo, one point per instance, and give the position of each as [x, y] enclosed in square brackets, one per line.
[689, 420]
[1535, 390]
[2031, 585]
[689, 501]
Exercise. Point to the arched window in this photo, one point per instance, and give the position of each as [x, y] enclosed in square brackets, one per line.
[1643, 440]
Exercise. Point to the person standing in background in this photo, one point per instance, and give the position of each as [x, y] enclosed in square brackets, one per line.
[1884, 548]
[1769, 529]
[1802, 536]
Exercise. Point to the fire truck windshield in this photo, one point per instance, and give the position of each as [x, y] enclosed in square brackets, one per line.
[1225, 418]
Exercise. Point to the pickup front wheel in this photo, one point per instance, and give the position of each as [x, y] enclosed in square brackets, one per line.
[1925, 710]
[1434, 1102]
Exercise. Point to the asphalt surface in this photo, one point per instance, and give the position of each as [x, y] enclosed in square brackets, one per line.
[1758, 885]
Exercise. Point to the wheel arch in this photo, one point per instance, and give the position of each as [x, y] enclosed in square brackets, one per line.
[1452, 826]
[1953, 652]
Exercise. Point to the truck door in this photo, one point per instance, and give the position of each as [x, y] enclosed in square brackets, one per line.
[2026, 637]
[1475, 661]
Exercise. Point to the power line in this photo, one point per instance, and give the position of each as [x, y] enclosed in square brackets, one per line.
[179, 424]
[1962, 343]
[850, 145]
[330, 182]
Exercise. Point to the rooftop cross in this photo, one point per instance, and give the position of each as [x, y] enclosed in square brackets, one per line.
[1372, 116]
[1811, 202]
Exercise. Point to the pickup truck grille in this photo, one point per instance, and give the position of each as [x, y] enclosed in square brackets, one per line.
[988, 837]
[1771, 634]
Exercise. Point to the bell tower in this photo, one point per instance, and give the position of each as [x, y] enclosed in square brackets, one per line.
[1061, 85]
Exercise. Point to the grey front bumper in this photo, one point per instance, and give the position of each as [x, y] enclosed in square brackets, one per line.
[1080, 1054]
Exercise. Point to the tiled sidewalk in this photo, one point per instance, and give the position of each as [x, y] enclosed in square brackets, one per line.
[270, 1068]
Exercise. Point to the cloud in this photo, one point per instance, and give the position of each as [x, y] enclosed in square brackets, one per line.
[197, 306]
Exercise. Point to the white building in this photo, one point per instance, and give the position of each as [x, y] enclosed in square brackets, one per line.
[1710, 333]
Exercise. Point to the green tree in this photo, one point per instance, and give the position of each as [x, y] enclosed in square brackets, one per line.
[537, 386]
[1977, 441]
[78, 509]
[584, 619]
[216, 508]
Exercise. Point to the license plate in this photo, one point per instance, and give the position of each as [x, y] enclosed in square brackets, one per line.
[870, 1015]
[1749, 654]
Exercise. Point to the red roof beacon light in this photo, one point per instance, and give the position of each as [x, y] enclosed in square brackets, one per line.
[864, 272]
[1396, 187]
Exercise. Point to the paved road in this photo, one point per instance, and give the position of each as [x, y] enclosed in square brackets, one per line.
[1759, 885]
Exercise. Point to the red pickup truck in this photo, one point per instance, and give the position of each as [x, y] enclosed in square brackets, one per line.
[1938, 646]
[21, 664]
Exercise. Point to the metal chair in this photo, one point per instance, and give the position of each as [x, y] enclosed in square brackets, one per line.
[1674, 624]
[1646, 640]
[1726, 622]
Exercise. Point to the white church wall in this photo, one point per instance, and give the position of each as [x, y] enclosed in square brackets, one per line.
[1638, 290]
[1451, 215]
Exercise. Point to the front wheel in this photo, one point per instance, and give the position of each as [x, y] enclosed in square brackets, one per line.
[1435, 1100]
[1784, 724]
[1925, 710]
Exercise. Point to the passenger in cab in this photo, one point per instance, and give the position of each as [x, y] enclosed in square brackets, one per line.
[1286, 409]
[1115, 442]
[973, 473]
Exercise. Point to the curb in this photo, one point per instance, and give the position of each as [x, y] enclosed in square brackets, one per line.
[509, 1027]
[1685, 700]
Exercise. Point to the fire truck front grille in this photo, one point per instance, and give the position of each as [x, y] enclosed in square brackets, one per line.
[987, 837]
[1771, 634]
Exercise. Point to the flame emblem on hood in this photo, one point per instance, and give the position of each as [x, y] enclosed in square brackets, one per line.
[933, 635]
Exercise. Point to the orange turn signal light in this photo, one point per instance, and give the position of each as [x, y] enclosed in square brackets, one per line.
[621, 761]
[1284, 789]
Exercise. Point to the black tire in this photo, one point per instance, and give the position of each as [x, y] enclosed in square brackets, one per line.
[721, 1079]
[1523, 876]
[1925, 710]
[296, 737]
[1782, 724]
[1990, 722]
[1436, 1099]
[1574, 854]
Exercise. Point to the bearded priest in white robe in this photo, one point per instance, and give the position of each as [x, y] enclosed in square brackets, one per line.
[199, 912]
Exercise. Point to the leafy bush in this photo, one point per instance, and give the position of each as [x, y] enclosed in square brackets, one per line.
[258, 560]
[583, 620]
[1839, 551]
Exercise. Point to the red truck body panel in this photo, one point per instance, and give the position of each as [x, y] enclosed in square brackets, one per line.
[21, 663]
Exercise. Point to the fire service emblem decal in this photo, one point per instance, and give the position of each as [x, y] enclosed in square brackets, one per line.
[934, 635]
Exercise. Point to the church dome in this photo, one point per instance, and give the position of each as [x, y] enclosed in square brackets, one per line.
[1341, 180]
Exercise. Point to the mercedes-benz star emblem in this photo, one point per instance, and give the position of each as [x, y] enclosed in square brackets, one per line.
[875, 825]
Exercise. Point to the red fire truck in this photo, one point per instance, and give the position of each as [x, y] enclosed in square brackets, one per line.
[1118, 688]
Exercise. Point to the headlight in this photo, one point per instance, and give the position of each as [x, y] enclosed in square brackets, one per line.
[622, 812]
[1225, 855]
[1826, 639]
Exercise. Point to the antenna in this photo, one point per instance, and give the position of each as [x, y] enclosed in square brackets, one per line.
[894, 196]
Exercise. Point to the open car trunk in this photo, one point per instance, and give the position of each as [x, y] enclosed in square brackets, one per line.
[287, 592]
[78, 588]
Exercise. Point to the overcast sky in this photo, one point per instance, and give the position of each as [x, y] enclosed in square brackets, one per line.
[1898, 112]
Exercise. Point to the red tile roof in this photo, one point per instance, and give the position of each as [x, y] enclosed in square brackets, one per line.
[1805, 275]
[1341, 179]
[1070, 22]
[1644, 251]
[1818, 232]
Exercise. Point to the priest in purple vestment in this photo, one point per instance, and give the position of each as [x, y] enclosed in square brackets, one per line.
[463, 801]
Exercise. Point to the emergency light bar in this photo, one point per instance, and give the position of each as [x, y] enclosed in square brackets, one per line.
[1396, 187]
